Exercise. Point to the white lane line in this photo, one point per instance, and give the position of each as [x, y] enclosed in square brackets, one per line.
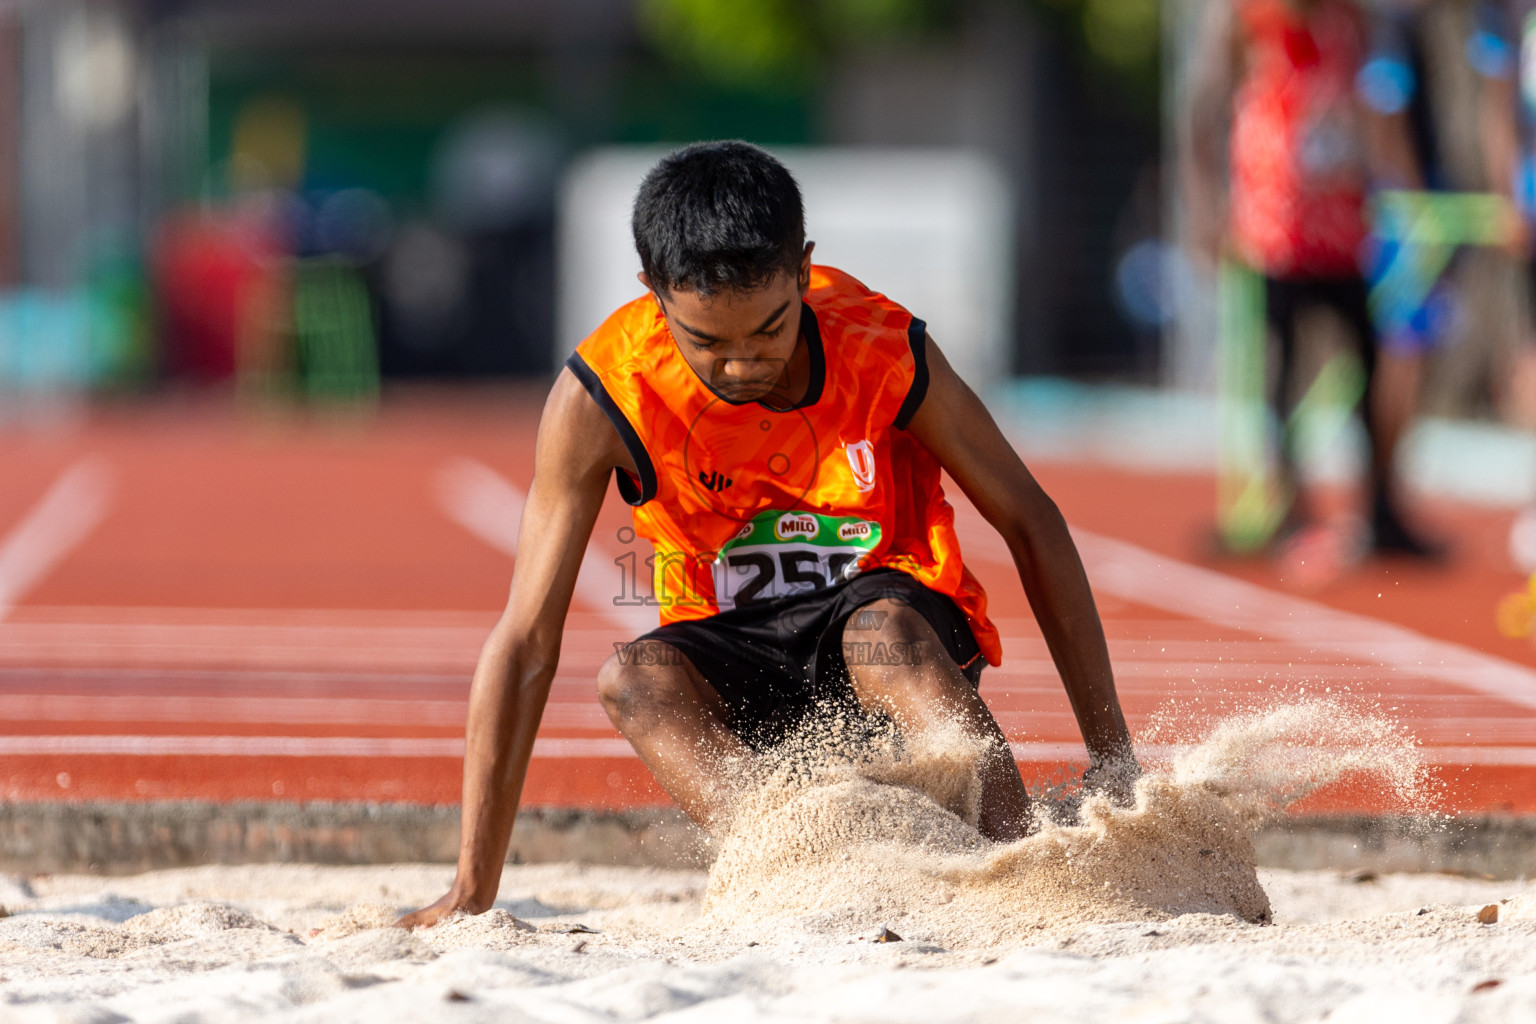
[482, 501]
[64, 517]
[313, 618]
[27, 707]
[490, 506]
[1032, 752]
[1449, 757]
[1233, 649]
[558, 748]
[255, 647]
[1254, 671]
[1136, 574]
[558, 714]
[293, 746]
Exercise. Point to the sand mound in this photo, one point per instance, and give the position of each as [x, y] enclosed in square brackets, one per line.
[494, 929]
[155, 928]
[888, 838]
[357, 918]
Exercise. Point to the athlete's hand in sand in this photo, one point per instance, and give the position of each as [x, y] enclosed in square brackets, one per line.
[453, 903]
[1115, 779]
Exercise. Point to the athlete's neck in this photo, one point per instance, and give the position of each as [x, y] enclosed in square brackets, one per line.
[796, 380]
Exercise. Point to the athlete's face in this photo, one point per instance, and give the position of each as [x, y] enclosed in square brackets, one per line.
[742, 344]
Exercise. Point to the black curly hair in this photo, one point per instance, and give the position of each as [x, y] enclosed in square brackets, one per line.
[718, 215]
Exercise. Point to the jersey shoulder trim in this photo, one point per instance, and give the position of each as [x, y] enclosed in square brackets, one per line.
[847, 302]
[633, 491]
[917, 337]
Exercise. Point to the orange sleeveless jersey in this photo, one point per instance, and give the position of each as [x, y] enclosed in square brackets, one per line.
[744, 503]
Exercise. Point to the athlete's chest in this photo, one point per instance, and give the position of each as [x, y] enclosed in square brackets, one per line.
[737, 461]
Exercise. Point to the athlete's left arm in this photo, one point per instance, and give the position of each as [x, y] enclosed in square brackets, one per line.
[952, 423]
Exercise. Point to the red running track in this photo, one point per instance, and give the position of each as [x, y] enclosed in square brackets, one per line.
[200, 601]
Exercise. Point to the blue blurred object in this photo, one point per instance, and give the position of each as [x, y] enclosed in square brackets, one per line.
[355, 223]
[1386, 84]
[1415, 235]
[1410, 319]
[1490, 55]
[60, 341]
[1151, 281]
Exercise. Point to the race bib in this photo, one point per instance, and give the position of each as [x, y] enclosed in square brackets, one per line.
[782, 553]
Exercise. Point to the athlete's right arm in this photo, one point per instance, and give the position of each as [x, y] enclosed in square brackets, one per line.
[576, 453]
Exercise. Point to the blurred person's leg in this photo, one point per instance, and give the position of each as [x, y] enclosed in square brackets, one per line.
[1394, 400]
[1517, 405]
[1516, 395]
[1283, 300]
[1249, 502]
[1393, 375]
[1518, 400]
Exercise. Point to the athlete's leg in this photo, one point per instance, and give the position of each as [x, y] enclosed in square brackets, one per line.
[677, 724]
[928, 690]
[1282, 302]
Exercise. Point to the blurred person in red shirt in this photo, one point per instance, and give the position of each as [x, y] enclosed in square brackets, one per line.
[220, 283]
[1279, 80]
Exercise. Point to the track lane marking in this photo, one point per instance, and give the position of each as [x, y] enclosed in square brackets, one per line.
[273, 710]
[64, 516]
[550, 748]
[559, 715]
[490, 506]
[556, 748]
[1511, 756]
[1136, 574]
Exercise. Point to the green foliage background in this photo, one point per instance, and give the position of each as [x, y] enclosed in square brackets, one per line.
[785, 45]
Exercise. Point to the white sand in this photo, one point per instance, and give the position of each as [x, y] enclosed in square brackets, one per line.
[150, 948]
[1153, 912]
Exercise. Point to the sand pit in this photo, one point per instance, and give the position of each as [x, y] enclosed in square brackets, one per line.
[1398, 948]
[1147, 912]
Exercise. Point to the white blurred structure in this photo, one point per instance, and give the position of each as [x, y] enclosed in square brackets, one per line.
[933, 229]
[79, 82]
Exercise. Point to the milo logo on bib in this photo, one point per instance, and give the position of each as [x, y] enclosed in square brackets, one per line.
[780, 553]
[857, 531]
[796, 527]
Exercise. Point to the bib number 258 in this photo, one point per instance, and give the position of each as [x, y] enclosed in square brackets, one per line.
[766, 575]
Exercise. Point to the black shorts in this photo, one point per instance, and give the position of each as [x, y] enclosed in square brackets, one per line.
[1285, 299]
[772, 662]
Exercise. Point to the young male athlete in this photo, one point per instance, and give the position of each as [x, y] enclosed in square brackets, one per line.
[779, 430]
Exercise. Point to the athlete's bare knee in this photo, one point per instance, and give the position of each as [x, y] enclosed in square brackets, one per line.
[621, 686]
[641, 678]
[893, 641]
[886, 619]
[898, 665]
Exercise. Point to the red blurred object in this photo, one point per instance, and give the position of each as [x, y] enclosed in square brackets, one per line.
[1298, 167]
[217, 278]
